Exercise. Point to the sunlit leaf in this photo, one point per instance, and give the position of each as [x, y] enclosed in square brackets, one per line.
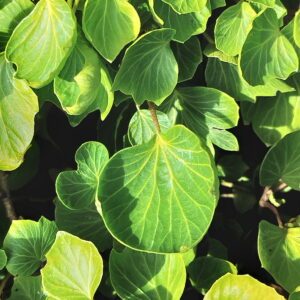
[3, 259]
[297, 28]
[186, 6]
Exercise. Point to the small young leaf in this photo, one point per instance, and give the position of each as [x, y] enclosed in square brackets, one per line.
[18, 106]
[26, 244]
[156, 201]
[11, 13]
[259, 59]
[232, 28]
[110, 25]
[188, 56]
[150, 276]
[279, 253]
[3, 259]
[149, 70]
[27, 288]
[42, 42]
[186, 6]
[204, 271]
[237, 287]
[282, 162]
[74, 269]
[78, 189]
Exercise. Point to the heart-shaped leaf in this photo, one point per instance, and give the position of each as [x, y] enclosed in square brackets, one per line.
[47, 36]
[157, 204]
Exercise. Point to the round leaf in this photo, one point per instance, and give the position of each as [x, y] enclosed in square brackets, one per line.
[143, 276]
[41, 43]
[18, 106]
[159, 212]
[237, 287]
[110, 25]
[279, 253]
[74, 269]
[282, 162]
[78, 189]
[149, 70]
[26, 244]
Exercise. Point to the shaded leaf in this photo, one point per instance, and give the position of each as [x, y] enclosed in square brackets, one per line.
[3, 259]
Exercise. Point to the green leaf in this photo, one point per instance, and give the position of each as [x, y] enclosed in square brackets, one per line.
[207, 112]
[27, 288]
[188, 56]
[217, 3]
[26, 244]
[186, 25]
[269, 3]
[267, 53]
[74, 269]
[18, 106]
[186, 6]
[143, 176]
[90, 227]
[78, 189]
[224, 139]
[83, 81]
[232, 28]
[11, 13]
[237, 287]
[297, 28]
[282, 162]
[204, 271]
[141, 127]
[295, 295]
[279, 253]
[150, 276]
[41, 43]
[110, 25]
[276, 117]
[227, 77]
[149, 70]
[3, 259]
[189, 256]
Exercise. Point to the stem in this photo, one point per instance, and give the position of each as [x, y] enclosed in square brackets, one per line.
[5, 196]
[264, 202]
[3, 284]
[152, 109]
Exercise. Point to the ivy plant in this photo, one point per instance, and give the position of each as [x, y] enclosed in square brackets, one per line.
[149, 149]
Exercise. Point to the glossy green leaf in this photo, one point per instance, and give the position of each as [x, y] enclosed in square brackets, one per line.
[204, 271]
[85, 223]
[188, 56]
[297, 28]
[150, 276]
[41, 43]
[142, 129]
[189, 256]
[18, 106]
[186, 25]
[110, 25]
[186, 6]
[227, 77]
[84, 81]
[282, 162]
[223, 139]
[74, 269]
[269, 3]
[3, 259]
[207, 112]
[78, 189]
[11, 13]
[276, 117]
[237, 287]
[27, 288]
[143, 175]
[267, 53]
[149, 70]
[26, 244]
[279, 253]
[217, 3]
[232, 28]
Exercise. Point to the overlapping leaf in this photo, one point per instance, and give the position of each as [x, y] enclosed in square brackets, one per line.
[18, 106]
[74, 269]
[279, 253]
[3, 259]
[149, 70]
[110, 25]
[41, 43]
[151, 276]
[186, 6]
[159, 212]
[297, 28]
